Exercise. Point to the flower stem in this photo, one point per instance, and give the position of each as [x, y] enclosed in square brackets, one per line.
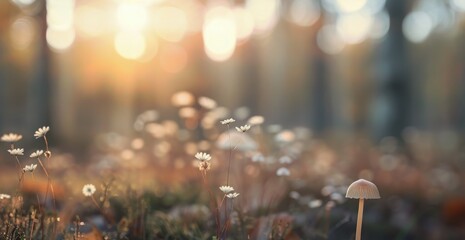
[230, 154]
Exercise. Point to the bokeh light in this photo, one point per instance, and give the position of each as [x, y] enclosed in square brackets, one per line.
[130, 45]
[265, 14]
[170, 23]
[304, 13]
[380, 25]
[219, 33]
[350, 5]
[329, 41]
[131, 16]
[60, 40]
[354, 28]
[244, 23]
[23, 31]
[417, 26]
[459, 5]
[90, 21]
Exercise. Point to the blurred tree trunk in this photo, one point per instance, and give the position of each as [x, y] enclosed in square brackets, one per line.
[39, 92]
[392, 102]
[320, 106]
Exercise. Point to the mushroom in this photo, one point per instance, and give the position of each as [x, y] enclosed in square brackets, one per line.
[362, 189]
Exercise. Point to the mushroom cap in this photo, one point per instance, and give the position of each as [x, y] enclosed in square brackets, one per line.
[362, 189]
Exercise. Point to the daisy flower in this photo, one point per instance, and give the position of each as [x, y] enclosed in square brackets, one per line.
[88, 190]
[226, 189]
[201, 156]
[30, 168]
[41, 132]
[243, 128]
[11, 137]
[4, 196]
[232, 195]
[16, 152]
[36, 154]
[227, 121]
[283, 172]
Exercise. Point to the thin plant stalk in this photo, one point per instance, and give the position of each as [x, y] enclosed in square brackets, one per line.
[37, 195]
[230, 155]
[213, 203]
[358, 233]
[49, 183]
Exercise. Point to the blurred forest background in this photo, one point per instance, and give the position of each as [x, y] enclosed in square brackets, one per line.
[339, 67]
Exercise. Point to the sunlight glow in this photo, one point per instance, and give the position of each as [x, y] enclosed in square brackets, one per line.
[219, 33]
[130, 45]
[131, 16]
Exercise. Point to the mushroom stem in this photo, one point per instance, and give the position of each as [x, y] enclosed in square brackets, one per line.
[358, 233]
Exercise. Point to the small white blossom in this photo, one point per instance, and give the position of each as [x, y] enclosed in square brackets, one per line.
[41, 132]
[243, 128]
[36, 154]
[11, 137]
[226, 189]
[283, 172]
[227, 121]
[16, 152]
[30, 168]
[4, 196]
[232, 195]
[203, 156]
[88, 190]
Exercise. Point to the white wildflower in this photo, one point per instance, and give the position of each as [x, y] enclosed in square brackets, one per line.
[243, 128]
[283, 172]
[4, 196]
[227, 121]
[30, 168]
[11, 137]
[88, 190]
[41, 132]
[16, 152]
[232, 195]
[226, 189]
[203, 156]
[36, 154]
